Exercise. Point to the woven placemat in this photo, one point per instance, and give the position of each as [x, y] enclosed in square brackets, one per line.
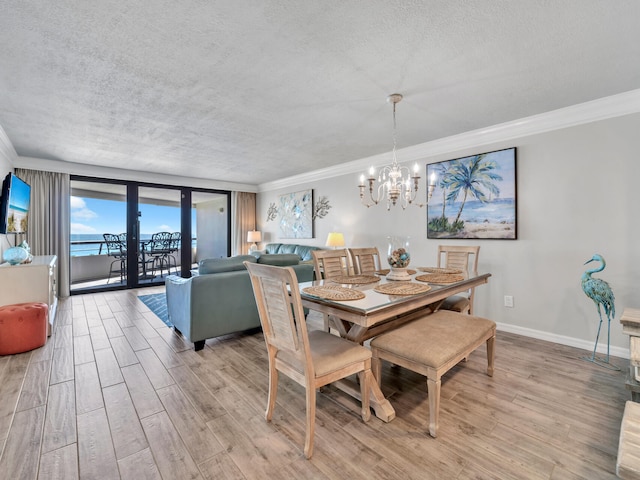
[402, 288]
[384, 271]
[334, 292]
[445, 271]
[355, 279]
[439, 278]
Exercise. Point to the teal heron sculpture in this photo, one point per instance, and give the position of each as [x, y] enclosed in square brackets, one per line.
[600, 292]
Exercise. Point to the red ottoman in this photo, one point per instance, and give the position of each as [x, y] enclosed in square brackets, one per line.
[23, 327]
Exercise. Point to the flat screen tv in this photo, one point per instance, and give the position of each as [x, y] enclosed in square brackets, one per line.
[14, 205]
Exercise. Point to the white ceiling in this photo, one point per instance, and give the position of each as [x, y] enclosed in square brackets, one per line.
[253, 91]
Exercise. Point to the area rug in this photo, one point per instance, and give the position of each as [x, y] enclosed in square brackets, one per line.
[157, 303]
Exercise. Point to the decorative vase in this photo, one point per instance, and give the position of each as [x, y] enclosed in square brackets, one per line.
[15, 255]
[398, 257]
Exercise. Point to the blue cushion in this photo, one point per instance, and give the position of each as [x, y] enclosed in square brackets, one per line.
[279, 259]
[272, 247]
[304, 251]
[219, 265]
[287, 248]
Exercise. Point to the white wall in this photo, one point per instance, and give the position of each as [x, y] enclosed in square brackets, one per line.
[576, 197]
[7, 158]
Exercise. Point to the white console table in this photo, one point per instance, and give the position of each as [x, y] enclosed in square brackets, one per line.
[31, 282]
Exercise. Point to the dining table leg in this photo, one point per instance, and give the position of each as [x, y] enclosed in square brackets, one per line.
[381, 406]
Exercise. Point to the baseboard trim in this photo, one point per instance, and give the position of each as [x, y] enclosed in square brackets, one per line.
[563, 340]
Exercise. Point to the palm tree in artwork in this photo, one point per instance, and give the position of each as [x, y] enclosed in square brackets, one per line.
[473, 177]
[443, 173]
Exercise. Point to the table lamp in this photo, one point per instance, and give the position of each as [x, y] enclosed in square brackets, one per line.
[254, 236]
[335, 239]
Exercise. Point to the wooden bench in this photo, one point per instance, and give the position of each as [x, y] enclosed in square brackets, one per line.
[431, 346]
[628, 464]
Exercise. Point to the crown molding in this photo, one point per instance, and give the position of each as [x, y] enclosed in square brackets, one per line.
[122, 174]
[593, 111]
[6, 147]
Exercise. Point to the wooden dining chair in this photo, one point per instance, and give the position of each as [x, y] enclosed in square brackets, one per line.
[313, 359]
[365, 260]
[464, 258]
[329, 264]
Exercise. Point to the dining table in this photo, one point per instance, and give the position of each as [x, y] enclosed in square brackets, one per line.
[375, 311]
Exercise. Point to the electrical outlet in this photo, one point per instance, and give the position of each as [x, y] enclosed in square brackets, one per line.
[508, 301]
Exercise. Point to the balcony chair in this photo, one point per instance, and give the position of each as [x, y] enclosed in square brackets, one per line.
[159, 253]
[117, 249]
[312, 359]
[174, 246]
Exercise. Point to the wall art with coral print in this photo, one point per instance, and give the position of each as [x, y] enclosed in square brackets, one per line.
[296, 214]
[475, 197]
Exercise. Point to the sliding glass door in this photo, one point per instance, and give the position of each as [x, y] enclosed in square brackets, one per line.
[160, 238]
[132, 234]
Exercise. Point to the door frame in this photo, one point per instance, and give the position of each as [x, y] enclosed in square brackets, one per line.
[133, 236]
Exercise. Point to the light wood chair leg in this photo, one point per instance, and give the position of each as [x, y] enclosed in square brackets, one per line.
[433, 387]
[491, 353]
[273, 389]
[326, 326]
[311, 421]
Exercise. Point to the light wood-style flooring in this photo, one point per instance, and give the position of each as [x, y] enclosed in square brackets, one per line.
[116, 394]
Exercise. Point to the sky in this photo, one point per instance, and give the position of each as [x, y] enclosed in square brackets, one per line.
[506, 169]
[97, 216]
[19, 196]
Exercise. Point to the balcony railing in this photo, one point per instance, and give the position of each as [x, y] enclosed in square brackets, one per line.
[90, 264]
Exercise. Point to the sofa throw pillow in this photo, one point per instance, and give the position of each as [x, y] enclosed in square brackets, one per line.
[279, 259]
[219, 265]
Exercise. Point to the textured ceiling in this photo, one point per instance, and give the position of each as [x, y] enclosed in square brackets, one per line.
[252, 91]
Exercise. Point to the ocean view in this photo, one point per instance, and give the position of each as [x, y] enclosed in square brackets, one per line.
[89, 248]
[501, 210]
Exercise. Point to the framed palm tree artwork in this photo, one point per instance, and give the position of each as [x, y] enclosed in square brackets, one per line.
[474, 197]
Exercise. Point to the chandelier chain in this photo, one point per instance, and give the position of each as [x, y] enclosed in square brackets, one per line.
[395, 137]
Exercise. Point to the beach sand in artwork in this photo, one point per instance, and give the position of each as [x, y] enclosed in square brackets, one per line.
[483, 230]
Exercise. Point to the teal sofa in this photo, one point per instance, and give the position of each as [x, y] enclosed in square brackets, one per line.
[219, 299]
[303, 251]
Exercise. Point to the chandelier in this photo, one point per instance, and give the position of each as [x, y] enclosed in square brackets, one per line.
[396, 184]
